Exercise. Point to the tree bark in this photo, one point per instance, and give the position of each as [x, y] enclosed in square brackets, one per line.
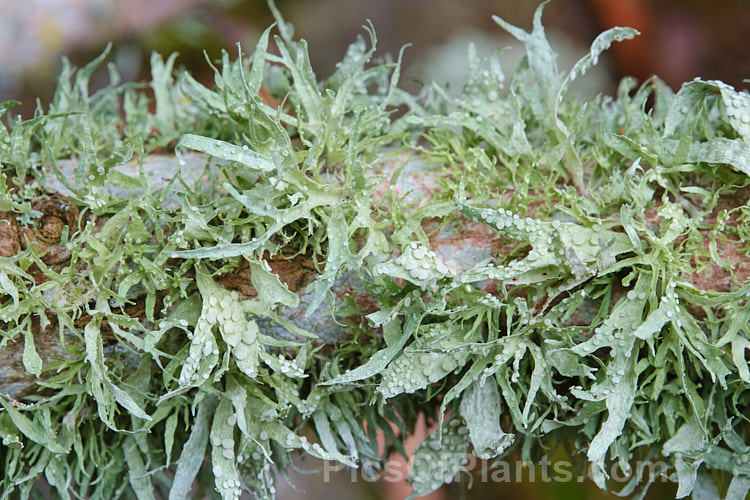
[460, 247]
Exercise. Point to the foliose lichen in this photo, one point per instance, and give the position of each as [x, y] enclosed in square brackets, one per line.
[153, 363]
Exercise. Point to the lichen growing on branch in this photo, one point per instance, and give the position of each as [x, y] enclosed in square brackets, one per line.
[314, 262]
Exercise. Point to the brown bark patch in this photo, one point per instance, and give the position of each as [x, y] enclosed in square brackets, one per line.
[295, 271]
[44, 231]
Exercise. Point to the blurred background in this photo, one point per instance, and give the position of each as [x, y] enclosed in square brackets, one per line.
[681, 39]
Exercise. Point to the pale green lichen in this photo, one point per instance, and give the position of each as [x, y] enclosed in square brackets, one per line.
[587, 328]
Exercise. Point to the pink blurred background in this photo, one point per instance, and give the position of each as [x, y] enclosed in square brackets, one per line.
[681, 38]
